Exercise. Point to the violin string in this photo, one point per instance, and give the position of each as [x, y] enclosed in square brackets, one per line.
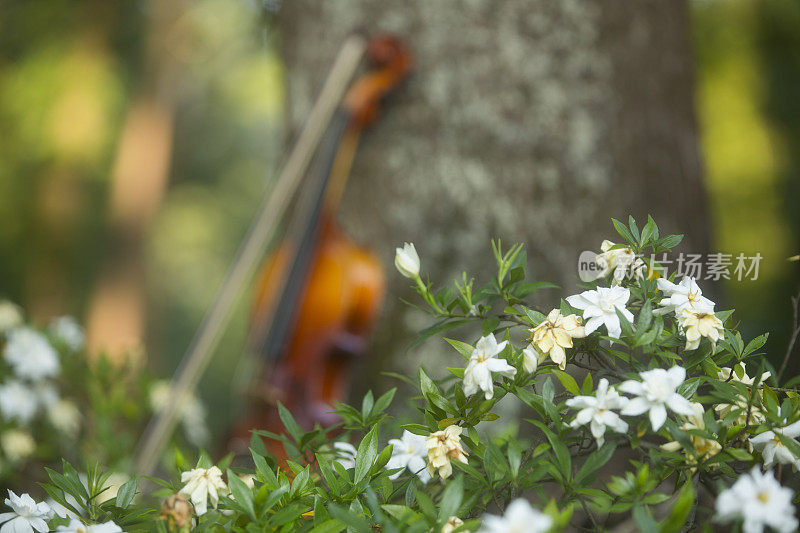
[198, 355]
[268, 347]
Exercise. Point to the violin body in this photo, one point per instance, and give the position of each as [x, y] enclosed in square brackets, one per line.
[339, 304]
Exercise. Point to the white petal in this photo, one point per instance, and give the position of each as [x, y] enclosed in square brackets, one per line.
[636, 406]
[680, 405]
[613, 326]
[658, 415]
[592, 324]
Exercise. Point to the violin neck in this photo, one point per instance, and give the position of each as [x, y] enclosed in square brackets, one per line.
[316, 208]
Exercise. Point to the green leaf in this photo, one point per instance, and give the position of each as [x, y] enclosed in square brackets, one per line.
[382, 459]
[365, 456]
[624, 232]
[567, 381]
[463, 348]
[382, 403]
[451, 499]
[680, 511]
[366, 405]
[596, 460]
[416, 429]
[514, 456]
[559, 449]
[649, 231]
[756, 344]
[644, 520]
[587, 384]
[457, 372]
[288, 422]
[670, 241]
[242, 494]
[300, 482]
[535, 316]
[489, 325]
[332, 525]
[634, 228]
[126, 493]
[739, 454]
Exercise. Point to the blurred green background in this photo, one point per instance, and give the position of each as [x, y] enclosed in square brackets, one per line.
[70, 71]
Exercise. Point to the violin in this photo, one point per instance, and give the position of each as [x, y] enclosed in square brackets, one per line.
[319, 293]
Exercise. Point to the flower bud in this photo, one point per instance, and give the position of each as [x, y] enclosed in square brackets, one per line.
[453, 523]
[177, 511]
[407, 261]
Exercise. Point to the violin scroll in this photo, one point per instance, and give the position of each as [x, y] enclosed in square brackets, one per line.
[394, 62]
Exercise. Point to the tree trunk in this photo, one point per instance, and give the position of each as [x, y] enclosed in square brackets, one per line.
[532, 121]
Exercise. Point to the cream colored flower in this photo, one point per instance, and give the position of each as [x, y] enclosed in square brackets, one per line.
[698, 324]
[724, 409]
[203, 485]
[703, 447]
[552, 336]
[17, 445]
[452, 524]
[443, 446]
[10, 315]
[65, 417]
[406, 260]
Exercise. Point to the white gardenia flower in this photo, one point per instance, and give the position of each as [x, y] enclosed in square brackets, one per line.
[67, 329]
[10, 315]
[76, 526]
[773, 450]
[620, 261]
[31, 355]
[17, 445]
[203, 485]
[26, 515]
[192, 413]
[655, 393]
[600, 307]
[681, 297]
[478, 374]
[519, 517]
[760, 501]
[345, 454]
[596, 411]
[409, 452]
[18, 402]
[406, 260]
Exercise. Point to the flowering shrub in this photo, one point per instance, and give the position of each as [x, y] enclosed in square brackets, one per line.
[629, 405]
[57, 403]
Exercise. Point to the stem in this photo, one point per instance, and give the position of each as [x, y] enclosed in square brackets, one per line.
[795, 332]
[427, 296]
